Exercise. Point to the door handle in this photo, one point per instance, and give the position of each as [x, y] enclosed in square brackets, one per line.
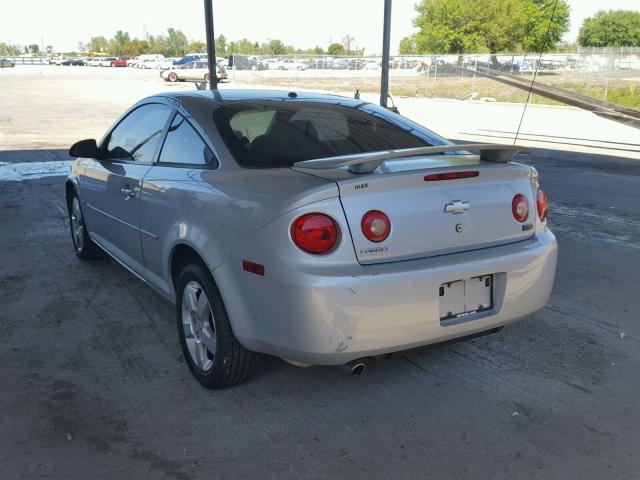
[128, 192]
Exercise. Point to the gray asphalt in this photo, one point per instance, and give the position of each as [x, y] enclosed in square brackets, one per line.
[93, 384]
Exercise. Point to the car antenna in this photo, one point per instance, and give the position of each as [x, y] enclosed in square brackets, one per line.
[535, 72]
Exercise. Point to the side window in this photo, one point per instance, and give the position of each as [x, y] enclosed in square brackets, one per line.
[136, 138]
[184, 145]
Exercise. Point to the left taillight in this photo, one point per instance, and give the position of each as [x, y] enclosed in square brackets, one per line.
[315, 233]
[542, 205]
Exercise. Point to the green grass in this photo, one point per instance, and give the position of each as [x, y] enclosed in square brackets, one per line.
[619, 91]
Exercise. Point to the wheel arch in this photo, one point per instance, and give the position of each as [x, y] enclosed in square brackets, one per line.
[70, 190]
[181, 254]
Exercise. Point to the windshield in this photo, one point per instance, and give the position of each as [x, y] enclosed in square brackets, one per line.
[268, 134]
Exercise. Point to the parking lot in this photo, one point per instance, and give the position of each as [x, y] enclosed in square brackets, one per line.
[93, 384]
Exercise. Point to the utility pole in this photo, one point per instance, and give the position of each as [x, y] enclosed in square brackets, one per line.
[386, 41]
[211, 46]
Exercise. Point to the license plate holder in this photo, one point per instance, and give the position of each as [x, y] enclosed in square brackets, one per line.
[465, 298]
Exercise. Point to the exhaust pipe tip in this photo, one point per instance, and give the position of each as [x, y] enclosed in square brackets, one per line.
[356, 368]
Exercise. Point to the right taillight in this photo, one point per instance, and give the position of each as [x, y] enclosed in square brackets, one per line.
[520, 207]
[542, 205]
[315, 233]
[375, 225]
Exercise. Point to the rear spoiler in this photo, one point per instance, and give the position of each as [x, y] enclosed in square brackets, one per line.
[368, 162]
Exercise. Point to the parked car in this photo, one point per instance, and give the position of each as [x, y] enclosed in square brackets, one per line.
[356, 63]
[5, 62]
[247, 62]
[106, 61]
[190, 57]
[316, 228]
[150, 63]
[151, 60]
[73, 62]
[319, 63]
[194, 71]
[339, 64]
[118, 62]
[288, 64]
[58, 60]
[94, 62]
[167, 63]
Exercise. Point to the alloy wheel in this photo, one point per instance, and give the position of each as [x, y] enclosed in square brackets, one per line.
[198, 325]
[77, 228]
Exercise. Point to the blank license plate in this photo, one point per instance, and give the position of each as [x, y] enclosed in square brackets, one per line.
[466, 297]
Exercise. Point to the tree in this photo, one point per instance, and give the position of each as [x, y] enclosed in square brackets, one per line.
[221, 46]
[98, 44]
[335, 49]
[274, 47]
[34, 48]
[198, 47]
[135, 47]
[613, 28]
[176, 43]
[488, 26]
[11, 50]
[49, 49]
[118, 43]
[547, 24]
[157, 44]
[408, 45]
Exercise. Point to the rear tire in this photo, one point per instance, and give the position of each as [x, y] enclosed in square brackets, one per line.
[212, 352]
[172, 77]
[84, 247]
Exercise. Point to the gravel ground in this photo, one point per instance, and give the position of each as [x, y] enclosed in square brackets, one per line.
[93, 384]
[52, 107]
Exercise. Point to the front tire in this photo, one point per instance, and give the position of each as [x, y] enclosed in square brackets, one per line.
[212, 352]
[83, 246]
[172, 77]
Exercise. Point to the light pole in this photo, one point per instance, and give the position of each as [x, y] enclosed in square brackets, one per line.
[211, 47]
[386, 40]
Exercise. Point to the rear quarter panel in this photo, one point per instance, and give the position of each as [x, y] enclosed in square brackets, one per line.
[215, 211]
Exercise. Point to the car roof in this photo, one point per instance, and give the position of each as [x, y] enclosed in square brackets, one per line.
[234, 95]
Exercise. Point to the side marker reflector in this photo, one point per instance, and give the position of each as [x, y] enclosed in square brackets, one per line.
[252, 267]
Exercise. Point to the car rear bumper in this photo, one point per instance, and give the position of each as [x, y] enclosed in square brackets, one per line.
[375, 309]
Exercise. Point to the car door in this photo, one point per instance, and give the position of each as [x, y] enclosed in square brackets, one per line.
[188, 71]
[112, 184]
[171, 198]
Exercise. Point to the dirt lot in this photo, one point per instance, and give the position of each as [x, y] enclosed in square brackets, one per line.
[93, 384]
[52, 107]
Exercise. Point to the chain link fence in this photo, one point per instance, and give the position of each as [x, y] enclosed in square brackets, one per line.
[605, 74]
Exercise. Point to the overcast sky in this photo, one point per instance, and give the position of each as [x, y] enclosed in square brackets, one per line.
[302, 23]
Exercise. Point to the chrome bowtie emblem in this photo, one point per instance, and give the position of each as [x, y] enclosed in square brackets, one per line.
[457, 206]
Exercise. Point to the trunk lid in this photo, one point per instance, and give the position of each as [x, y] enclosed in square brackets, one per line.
[421, 226]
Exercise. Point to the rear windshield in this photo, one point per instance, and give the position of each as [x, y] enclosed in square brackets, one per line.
[268, 134]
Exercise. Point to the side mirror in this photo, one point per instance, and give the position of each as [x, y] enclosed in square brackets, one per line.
[84, 149]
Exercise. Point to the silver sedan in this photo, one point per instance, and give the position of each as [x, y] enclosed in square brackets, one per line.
[320, 229]
[193, 72]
